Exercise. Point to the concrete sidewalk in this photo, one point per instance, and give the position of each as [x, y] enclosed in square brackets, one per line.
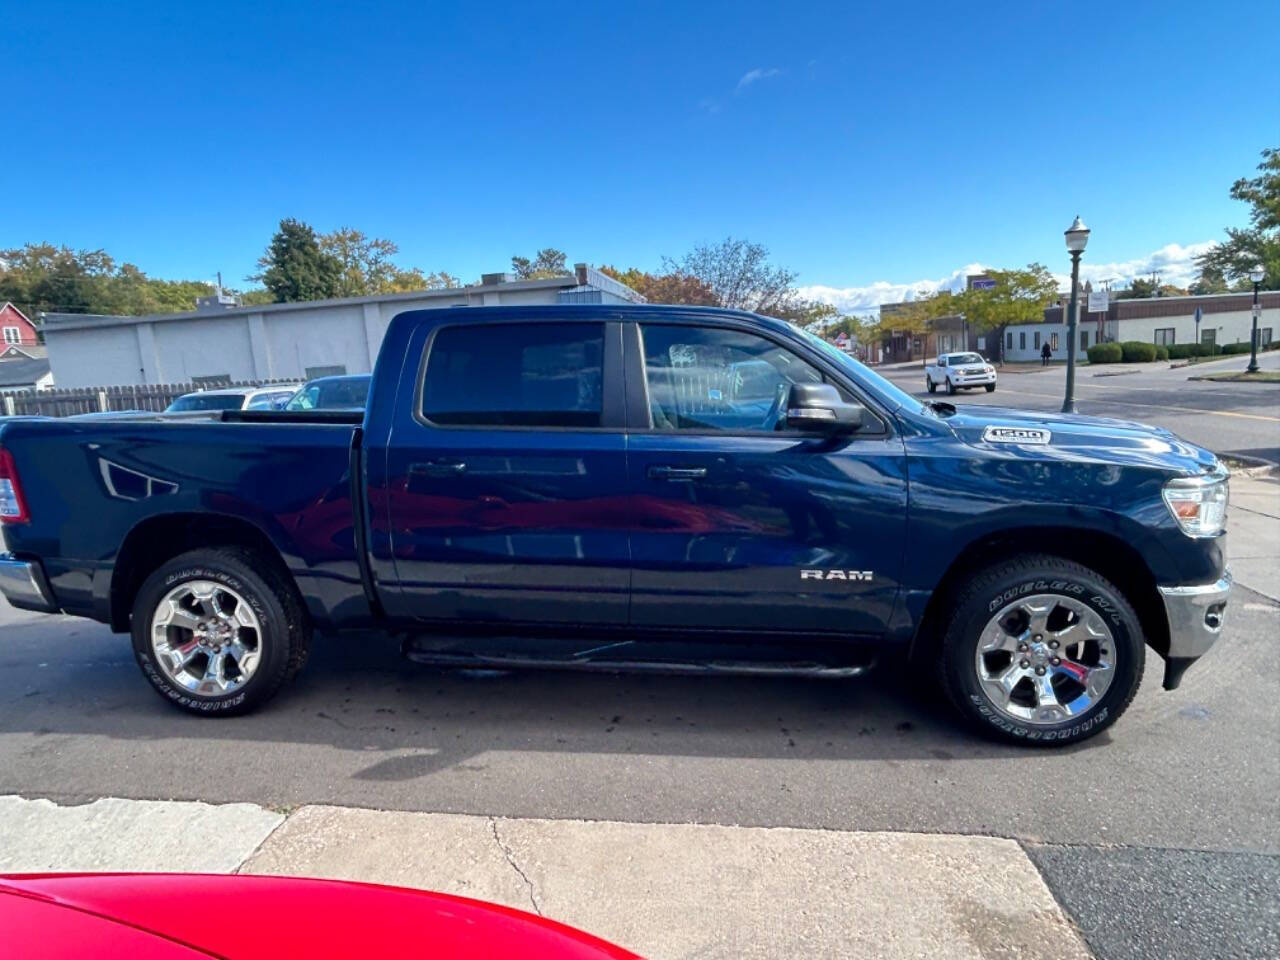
[663, 890]
[1253, 534]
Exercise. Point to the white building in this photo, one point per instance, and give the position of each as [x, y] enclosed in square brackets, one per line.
[295, 341]
[1165, 321]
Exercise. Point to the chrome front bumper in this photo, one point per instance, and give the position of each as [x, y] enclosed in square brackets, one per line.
[1195, 616]
[24, 586]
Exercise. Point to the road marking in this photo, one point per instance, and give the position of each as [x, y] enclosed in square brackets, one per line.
[1162, 406]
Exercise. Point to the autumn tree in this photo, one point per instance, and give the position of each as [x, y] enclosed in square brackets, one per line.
[664, 287]
[739, 275]
[1259, 243]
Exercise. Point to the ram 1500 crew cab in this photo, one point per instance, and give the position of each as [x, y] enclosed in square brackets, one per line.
[633, 488]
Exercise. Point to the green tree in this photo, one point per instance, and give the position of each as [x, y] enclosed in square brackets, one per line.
[43, 278]
[295, 268]
[546, 263]
[1231, 260]
[1016, 296]
[1144, 288]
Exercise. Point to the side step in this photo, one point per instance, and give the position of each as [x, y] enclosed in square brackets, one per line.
[605, 659]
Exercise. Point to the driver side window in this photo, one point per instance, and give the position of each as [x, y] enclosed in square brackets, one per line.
[708, 378]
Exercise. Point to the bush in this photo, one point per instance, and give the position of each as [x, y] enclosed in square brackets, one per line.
[1105, 353]
[1180, 351]
[1162, 353]
[1136, 351]
[1235, 348]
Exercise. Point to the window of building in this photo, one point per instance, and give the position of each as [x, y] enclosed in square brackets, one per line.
[1084, 339]
[12, 335]
[1022, 339]
[331, 370]
[1053, 342]
[1164, 336]
[1008, 340]
[704, 378]
[1037, 345]
[515, 375]
[1209, 336]
[1264, 336]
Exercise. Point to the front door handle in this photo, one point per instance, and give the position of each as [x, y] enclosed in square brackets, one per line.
[677, 474]
[438, 468]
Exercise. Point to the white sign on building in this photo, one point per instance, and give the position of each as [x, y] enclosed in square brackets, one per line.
[1099, 300]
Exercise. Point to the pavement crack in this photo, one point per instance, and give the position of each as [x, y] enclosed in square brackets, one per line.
[510, 858]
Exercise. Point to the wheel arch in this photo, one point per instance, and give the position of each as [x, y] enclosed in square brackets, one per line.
[1107, 554]
[156, 539]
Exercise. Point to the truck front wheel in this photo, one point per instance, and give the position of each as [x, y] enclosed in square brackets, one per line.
[1041, 651]
[217, 631]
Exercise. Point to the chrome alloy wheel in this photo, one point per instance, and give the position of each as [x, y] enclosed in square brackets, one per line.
[1045, 658]
[206, 638]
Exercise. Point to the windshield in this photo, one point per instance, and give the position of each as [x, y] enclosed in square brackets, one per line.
[892, 395]
[348, 393]
[206, 401]
[958, 358]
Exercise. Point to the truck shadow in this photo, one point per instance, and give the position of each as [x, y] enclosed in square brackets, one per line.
[414, 721]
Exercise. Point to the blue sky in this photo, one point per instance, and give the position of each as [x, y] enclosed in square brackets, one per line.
[869, 149]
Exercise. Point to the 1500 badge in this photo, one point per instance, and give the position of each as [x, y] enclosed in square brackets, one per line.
[836, 574]
[1030, 435]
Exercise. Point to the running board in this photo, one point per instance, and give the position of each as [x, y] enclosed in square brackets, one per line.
[422, 653]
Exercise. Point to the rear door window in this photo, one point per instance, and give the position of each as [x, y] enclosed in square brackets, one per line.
[515, 375]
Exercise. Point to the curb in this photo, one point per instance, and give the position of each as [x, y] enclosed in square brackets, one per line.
[1252, 467]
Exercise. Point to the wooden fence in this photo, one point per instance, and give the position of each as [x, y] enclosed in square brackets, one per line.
[147, 396]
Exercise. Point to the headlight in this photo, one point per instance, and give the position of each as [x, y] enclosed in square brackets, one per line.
[989, 370]
[1199, 504]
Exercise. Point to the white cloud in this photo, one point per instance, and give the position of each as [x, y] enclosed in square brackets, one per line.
[867, 299]
[753, 76]
[1174, 262]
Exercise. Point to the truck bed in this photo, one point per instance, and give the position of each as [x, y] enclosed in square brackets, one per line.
[98, 489]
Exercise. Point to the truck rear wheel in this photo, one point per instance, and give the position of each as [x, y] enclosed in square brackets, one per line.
[217, 631]
[1042, 651]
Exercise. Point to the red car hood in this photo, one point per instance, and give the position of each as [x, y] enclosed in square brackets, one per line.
[187, 916]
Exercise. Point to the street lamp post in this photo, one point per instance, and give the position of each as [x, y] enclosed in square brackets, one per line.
[1077, 237]
[1256, 275]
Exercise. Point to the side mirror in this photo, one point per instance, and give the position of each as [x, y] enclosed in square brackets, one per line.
[819, 408]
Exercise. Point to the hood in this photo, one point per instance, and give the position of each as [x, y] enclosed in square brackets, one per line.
[1068, 434]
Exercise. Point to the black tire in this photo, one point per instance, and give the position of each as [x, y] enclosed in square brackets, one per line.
[991, 388]
[985, 593]
[930, 385]
[285, 634]
[951, 387]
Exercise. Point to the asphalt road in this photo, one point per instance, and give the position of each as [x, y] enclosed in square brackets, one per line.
[1196, 771]
[1232, 418]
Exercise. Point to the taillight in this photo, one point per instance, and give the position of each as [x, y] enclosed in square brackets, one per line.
[13, 506]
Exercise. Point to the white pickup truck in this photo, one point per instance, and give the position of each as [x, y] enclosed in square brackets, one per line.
[959, 371]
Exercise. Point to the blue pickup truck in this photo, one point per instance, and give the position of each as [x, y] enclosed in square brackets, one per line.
[633, 488]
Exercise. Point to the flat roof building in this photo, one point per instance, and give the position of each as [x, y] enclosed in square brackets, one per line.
[297, 341]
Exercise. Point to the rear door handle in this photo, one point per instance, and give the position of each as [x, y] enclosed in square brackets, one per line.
[677, 474]
[438, 468]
